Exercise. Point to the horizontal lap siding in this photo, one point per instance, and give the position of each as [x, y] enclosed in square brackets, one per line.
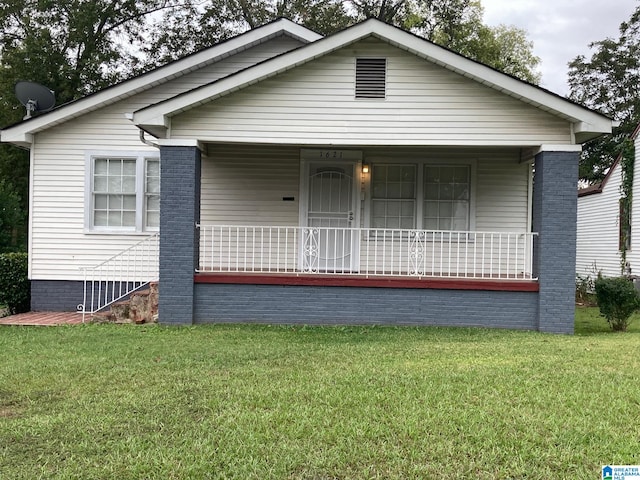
[425, 104]
[246, 185]
[59, 245]
[502, 192]
[598, 227]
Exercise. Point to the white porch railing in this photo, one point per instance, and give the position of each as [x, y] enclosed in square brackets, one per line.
[120, 275]
[366, 252]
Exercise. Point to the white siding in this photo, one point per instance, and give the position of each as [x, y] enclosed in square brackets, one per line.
[246, 186]
[58, 242]
[598, 230]
[633, 255]
[502, 198]
[426, 104]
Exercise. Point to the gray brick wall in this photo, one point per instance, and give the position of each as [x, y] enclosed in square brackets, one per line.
[350, 305]
[179, 241]
[554, 218]
[56, 295]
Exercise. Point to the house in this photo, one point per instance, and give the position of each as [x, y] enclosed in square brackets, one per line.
[367, 177]
[600, 235]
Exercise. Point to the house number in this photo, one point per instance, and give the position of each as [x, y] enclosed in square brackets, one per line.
[330, 154]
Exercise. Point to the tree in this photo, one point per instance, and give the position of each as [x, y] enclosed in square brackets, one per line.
[608, 82]
[12, 215]
[75, 47]
[455, 24]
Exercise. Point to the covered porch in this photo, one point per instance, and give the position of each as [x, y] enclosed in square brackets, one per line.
[218, 271]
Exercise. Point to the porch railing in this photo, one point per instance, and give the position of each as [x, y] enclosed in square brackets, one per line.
[366, 252]
[120, 275]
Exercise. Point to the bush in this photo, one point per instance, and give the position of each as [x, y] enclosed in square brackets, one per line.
[617, 299]
[15, 290]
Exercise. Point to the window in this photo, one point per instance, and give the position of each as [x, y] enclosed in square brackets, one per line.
[393, 193]
[371, 77]
[123, 193]
[446, 197]
[423, 196]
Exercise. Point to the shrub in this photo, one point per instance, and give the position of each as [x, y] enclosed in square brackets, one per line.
[14, 284]
[617, 299]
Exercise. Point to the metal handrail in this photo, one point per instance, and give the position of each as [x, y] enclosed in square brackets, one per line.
[366, 252]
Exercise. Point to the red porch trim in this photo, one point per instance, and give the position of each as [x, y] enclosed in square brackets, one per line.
[375, 282]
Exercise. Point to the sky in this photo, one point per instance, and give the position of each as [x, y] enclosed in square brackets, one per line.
[560, 29]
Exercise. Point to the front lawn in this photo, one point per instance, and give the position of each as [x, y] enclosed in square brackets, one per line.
[259, 402]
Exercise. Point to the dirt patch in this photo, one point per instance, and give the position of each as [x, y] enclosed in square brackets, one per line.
[8, 412]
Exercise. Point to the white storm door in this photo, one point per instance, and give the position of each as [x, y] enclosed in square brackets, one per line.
[328, 242]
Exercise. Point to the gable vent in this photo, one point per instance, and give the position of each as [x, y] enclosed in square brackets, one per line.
[371, 76]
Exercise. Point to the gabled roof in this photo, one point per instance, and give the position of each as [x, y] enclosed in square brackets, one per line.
[599, 187]
[156, 118]
[22, 132]
[586, 123]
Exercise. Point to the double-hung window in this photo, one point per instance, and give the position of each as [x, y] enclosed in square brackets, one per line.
[422, 195]
[123, 193]
[446, 197]
[393, 198]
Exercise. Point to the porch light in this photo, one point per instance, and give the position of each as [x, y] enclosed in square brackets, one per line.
[365, 168]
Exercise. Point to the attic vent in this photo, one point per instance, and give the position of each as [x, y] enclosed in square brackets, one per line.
[371, 77]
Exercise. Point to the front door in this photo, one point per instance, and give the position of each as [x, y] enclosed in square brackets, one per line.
[328, 241]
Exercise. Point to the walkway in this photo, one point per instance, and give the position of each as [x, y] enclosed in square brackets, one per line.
[43, 319]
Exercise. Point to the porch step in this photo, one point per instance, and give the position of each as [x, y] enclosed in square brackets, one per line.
[141, 307]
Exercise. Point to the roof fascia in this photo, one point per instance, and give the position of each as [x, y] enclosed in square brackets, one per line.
[588, 123]
[21, 133]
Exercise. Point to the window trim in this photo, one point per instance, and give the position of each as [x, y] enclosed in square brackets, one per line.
[141, 157]
[420, 162]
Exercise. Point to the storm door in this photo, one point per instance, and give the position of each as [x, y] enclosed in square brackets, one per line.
[328, 241]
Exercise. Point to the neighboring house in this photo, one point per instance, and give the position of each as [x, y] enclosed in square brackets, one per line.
[600, 236]
[366, 177]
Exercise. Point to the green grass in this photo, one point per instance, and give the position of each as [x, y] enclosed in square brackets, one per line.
[259, 402]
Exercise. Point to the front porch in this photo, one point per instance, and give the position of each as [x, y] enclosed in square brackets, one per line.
[314, 272]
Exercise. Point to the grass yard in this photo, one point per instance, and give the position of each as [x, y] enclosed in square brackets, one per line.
[259, 402]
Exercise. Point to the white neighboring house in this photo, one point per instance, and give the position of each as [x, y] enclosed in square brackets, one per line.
[599, 233]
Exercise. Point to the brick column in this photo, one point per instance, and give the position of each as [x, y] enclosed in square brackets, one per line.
[179, 238]
[555, 203]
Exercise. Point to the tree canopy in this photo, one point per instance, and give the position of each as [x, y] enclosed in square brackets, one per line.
[608, 82]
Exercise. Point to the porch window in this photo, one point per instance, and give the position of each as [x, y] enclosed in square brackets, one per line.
[393, 196]
[446, 193]
[123, 193]
[422, 196]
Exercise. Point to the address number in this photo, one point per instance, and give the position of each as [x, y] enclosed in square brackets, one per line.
[330, 154]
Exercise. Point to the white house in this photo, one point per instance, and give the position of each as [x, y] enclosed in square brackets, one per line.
[599, 238]
[365, 177]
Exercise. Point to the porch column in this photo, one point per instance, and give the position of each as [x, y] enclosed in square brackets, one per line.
[179, 238]
[555, 203]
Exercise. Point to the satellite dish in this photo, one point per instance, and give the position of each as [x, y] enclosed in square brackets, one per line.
[35, 97]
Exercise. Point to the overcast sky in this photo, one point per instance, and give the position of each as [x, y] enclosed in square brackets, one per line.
[560, 29]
